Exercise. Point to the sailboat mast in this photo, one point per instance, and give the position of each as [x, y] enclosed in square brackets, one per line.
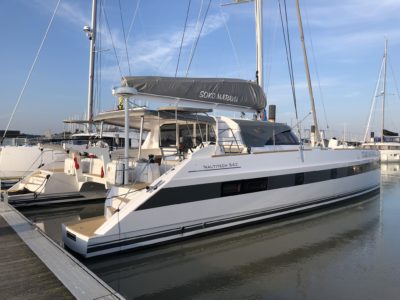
[310, 90]
[384, 88]
[92, 37]
[259, 42]
[376, 93]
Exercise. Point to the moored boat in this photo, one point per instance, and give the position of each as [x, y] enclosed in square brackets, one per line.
[191, 184]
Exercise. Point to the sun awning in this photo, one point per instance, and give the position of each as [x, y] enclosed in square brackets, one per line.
[150, 117]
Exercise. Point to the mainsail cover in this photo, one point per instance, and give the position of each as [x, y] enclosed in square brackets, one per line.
[232, 92]
[389, 133]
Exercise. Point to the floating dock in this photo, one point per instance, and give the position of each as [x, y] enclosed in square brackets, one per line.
[33, 266]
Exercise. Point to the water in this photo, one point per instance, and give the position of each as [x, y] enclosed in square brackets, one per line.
[347, 252]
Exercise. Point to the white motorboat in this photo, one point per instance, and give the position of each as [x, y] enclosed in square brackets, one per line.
[18, 161]
[389, 143]
[81, 169]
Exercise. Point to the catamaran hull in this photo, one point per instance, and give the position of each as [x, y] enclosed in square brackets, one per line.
[193, 218]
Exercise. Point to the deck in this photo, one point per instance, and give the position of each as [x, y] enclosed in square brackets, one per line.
[87, 227]
[22, 274]
[34, 267]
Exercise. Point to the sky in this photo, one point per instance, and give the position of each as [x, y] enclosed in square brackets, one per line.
[345, 42]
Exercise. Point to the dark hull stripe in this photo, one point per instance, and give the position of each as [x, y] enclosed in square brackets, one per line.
[52, 200]
[200, 192]
[248, 217]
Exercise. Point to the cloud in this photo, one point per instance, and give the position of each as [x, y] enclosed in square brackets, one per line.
[154, 54]
[74, 14]
[68, 11]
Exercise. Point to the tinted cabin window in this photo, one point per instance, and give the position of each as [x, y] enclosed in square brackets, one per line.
[254, 185]
[316, 176]
[350, 171]
[281, 181]
[299, 178]
[283, 138]
[334, 174]
[341, 172]
[231, 188]
[245, 186]
[168, 135]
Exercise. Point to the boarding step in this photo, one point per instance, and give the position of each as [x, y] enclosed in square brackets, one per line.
[37, 179]
[33, 183]
[35, 188]
[93, 176]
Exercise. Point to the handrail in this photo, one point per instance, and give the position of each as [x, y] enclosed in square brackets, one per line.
[232, 141]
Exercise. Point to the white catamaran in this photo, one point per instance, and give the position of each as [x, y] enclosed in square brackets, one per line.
[197, 172]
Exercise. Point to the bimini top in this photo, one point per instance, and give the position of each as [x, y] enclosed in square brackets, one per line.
[228, 92]
[150, 117]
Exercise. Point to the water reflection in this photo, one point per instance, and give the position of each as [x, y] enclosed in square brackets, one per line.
[347, 252]
[256, 261]
[390, 169]
[49, 219]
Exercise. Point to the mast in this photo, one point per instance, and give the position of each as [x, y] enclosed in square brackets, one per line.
[259, 42]
[310, 90]
[91, 32]
[374, 99]
[384, 87]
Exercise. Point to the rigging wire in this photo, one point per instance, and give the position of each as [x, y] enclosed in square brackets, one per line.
[371, 116]
[316, 70]
[394, 81]
[286, 36]
[112, 41]
[133, 20]
[123, 32]
[183, 37]
[231, 40]
[197, 26]
[269, 57]
[198, 37]
[30, 71]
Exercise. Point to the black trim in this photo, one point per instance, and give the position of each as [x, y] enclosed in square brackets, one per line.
[162, 234]
[52, 200]
[71, 236]
[199, 192]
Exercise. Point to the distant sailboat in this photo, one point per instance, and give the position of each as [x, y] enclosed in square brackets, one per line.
[389, 142]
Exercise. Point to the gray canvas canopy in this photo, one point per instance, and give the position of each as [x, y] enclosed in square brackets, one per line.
[151, 117]
[232, 92]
